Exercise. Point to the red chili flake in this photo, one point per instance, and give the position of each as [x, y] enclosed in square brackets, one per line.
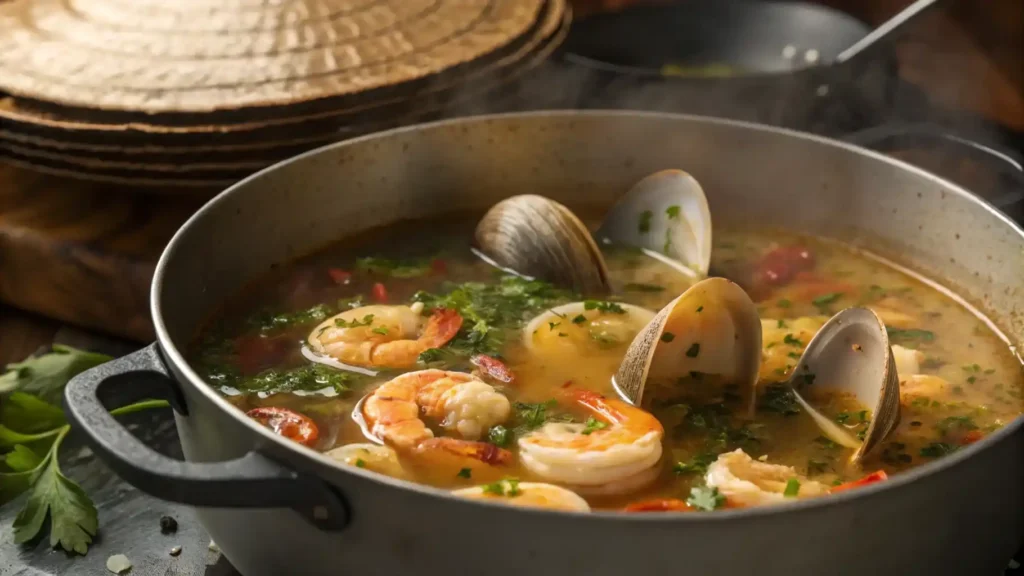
[972, 437]
[339, 276]
[379, 293]
[878, 476]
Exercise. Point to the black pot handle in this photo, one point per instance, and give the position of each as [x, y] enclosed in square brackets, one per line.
[252, 481]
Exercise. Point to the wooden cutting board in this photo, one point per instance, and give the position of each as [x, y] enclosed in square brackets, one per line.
[84, 253]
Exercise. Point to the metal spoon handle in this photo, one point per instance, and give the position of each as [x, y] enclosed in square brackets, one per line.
[886, 30]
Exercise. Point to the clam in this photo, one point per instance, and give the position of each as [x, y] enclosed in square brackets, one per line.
[666, 216]
[537, 237]
[710, 334]
[851, 355]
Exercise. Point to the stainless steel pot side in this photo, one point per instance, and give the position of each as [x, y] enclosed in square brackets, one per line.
[276, 508]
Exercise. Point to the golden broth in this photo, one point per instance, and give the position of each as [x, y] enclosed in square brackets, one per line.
[252, 353]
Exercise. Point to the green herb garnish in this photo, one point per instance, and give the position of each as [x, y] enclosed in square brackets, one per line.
[499, 436]
[466, 473]
[667, 337]
[780, 399]
[579, 319]
[783, 303]
[592, 425]
[937, 449]
[792, 488]
[693, 350]
[824, 300]
[644, 226]
[342, 323]
[792, 341]
[705, 498]
[360, 463]
[696, 465]
[603, 307]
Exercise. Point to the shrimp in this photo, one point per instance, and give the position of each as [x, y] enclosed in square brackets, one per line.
[748, 482]
[462, 403]
[527, 494]
[380, 459]
[617, 451]
[384, 336]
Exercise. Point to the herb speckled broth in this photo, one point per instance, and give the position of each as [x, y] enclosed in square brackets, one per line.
[252, 352]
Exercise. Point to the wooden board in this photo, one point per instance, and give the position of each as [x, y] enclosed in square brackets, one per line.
[84, 253]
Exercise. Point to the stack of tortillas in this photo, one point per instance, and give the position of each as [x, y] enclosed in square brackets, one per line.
[204, 92]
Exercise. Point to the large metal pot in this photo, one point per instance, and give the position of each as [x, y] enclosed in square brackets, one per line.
[276, 508]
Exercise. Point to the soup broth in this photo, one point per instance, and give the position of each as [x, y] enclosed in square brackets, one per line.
[966, 382]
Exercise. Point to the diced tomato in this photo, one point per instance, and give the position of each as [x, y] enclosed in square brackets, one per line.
[287, 423]
[877, 476]
[972, 437]
[659, 505]
[493, 368]
[339, 276]
[256, 353]
[439, 267]
[379, 293]
[779, 266]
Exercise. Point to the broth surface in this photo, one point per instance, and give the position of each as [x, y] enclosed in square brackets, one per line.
[253, 353]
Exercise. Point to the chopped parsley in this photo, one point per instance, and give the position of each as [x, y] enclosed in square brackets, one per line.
[826, 442]
[382, 330]
[592, 425]
[937, 449]
[360, 463]
[603, 307]
[693, 350]
[672, 212]
[667, 337]
[705, 498]
[643, 287]
[508, 487]
[700, 309]
[553, 325]
[466, 473]
[792, 488]
[307, 378]
[781, 323]
[342, 323]
[815, 467]
[696, 465]
[826, 299]
[579, 319]
[499, 436]
[783, 303]
[644, 226]
[956, 424]
[899, 335]
[780, 399]
[431, 355]
[266, 322]
[792, 341]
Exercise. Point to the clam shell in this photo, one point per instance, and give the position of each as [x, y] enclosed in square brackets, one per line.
[851, 355]
[666, 214]
[714, 330]
[537, 237]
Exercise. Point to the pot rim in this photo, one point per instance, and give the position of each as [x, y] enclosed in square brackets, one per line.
[174, 356]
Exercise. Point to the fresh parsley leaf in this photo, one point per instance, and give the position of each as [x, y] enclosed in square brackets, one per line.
[826, 442]
[27, 413]
[466, 473]
[496, 488]
[513, 487]
[592, 425]
[267, 322]
[693, 350]
[22, 459]
[360, 463]
[672, 212]
[46, 375]
[579, 319]
[431, 355]
[792, 488]
[307, 378]
[382, 330]
[507, 487]
[73, 520]
[603, 307]
[705, 498]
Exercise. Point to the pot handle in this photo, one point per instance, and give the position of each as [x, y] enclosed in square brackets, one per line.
[252, 481]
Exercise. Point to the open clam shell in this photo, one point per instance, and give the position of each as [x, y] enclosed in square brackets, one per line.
[537, 237]
[851, 355]
[666, 215]
[709, 333]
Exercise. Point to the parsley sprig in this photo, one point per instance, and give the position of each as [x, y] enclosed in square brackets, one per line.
[32, 430]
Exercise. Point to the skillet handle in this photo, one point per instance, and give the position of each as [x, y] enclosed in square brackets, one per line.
[252, 481]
